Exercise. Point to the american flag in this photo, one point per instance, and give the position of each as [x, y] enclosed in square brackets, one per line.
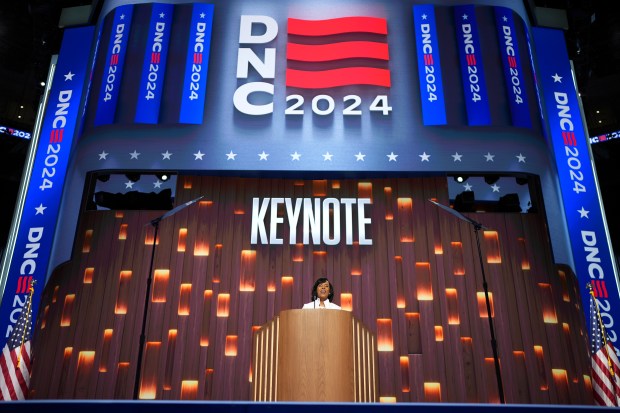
[605, 365]
[15, 363]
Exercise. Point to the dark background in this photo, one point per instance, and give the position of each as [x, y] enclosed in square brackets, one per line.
[29, 36]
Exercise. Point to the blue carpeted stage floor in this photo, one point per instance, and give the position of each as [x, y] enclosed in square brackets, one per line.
[120, 406]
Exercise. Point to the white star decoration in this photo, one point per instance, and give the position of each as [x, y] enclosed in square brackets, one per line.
[202, 15]
[327, 156]
[424, 16]
[69, 76]
[157, 184]
[465, 17]
[40, 209]
[557, 78]
[129, 185]
[162, 15]
[583, 213]
[467, 187]
[505, 18]
[495, 187]
[122, 17]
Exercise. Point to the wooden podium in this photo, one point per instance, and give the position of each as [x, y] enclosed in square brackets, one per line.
[314, 355]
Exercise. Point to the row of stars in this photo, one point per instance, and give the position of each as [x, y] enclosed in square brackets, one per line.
[583, 213]
[296, 156]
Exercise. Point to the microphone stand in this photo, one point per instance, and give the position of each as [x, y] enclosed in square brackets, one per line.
[155, 223]
[136, 389]
[477, 227]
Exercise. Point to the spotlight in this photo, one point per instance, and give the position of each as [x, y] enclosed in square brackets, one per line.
[461, 178]
[163, 176]
[103, 177]
[491, 179]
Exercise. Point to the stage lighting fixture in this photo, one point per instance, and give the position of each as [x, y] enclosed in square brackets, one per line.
[465, 202]
[103, 177]
[135, 200]
[510, 203]
[461, 178]
[491, 179]
[521, 180]
[163, 176]
[133, 177]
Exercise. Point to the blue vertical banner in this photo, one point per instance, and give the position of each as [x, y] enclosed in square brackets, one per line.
[154, 64]
[472, 69]
[513, 70]
[113, 70]
[429, 65]
[584, 214]
[196, 64]
[37, 225]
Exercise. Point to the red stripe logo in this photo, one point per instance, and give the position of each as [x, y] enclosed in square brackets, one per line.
[471, 60]
[569, 138]
[23, 284]
[303, 70]
[337, 26]
[198, 58]
[56, 135]
[155, 57]
[599, 289]
[114, 60]
[512, 62]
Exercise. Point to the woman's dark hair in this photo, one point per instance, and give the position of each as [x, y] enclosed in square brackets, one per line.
[330, 297]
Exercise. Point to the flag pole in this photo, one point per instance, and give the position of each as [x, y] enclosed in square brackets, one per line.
[21, 345]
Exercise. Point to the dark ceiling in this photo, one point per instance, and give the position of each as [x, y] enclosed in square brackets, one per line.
[29, 36]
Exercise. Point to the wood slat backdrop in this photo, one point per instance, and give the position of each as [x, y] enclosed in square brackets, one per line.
[418, 288]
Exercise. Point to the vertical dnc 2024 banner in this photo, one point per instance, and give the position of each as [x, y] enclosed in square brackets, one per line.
[584, 216]
[159, 44]
[36, 228]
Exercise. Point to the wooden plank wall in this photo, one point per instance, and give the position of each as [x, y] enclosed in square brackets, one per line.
[418, 288]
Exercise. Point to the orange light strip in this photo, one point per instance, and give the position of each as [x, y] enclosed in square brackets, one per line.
[122, 232]
[181, 243]
[67, 310]
[160, 285]
[88, 275]
[452, 302]
[223, 305]
[88, 235]
[423, 276]
[185, 295]
[385, 341]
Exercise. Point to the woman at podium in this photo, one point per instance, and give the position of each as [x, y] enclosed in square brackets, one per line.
[322, 295]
